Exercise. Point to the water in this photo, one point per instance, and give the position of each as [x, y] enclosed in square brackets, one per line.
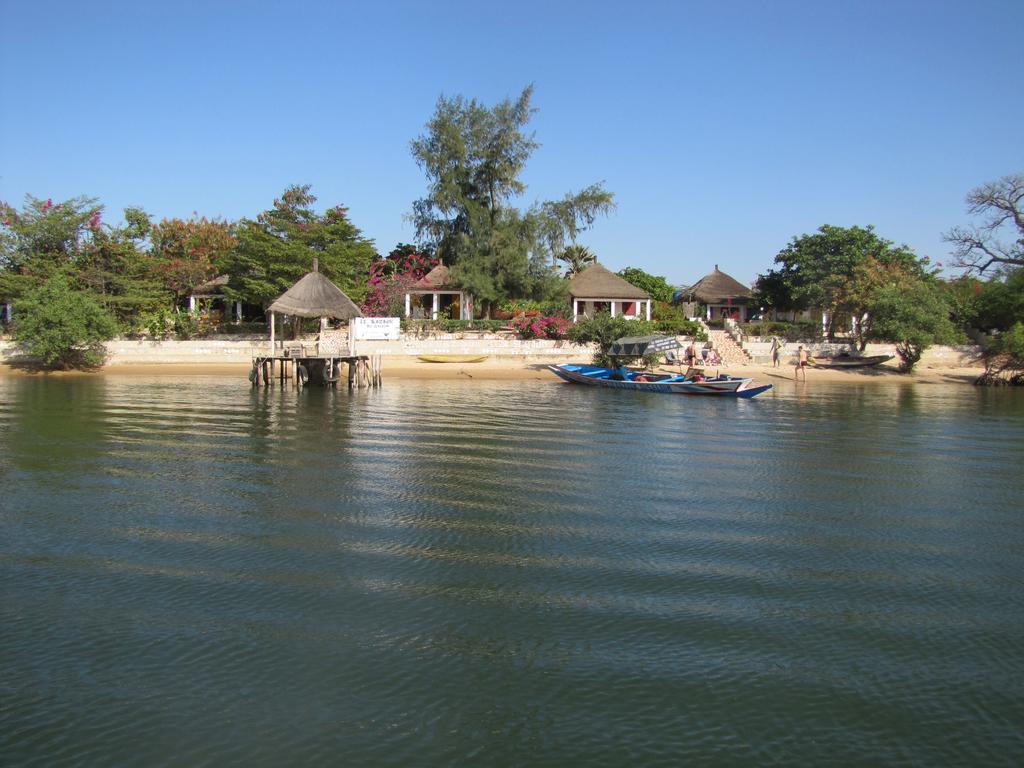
[523, 573]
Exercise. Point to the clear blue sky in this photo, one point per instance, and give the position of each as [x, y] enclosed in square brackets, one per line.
[723, 128]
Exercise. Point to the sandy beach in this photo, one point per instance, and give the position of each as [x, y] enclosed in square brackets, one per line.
[506, 369]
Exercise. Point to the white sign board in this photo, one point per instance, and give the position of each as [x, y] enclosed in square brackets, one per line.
[376, 328]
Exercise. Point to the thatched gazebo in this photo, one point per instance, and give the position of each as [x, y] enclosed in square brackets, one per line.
[210, 294]
[313, 296]
[722, 294]
[434, 294]
[597, 289]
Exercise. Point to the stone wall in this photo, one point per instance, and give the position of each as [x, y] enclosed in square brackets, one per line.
[967, 355]
[220, 351]
[235, 350]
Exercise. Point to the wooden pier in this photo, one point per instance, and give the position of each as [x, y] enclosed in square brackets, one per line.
[324, 370]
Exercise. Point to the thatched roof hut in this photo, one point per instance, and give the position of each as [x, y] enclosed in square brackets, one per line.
[438, 277]
[315, 296]
[718, 288]
[211, 288]
[596, 289]
[722, 295]
[434, 294]
[597, 282]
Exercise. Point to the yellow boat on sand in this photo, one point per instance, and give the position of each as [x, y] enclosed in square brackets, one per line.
[452, 358]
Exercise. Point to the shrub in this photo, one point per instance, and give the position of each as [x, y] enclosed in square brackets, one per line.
[603, 330]
[447, 325]
[63, 327]
[803, 331]
[158, 325]
[239, 329]
[519, 306]
[913, 316]
[539, 327]
[186, 325]
[767, 329]
[1004, 358]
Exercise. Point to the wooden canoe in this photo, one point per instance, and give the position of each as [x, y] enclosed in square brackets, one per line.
[452, 358]
[848, 361]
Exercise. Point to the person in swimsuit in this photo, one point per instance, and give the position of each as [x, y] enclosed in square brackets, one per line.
[801, 363]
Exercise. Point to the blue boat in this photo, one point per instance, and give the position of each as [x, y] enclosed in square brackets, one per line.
[689, 383]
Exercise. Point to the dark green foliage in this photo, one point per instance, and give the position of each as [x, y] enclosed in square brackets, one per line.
[1004, 358]
[42, 240]
[671, 319]
[278, 248]
[69, 238]
[837, 269]
[963, 296]
[991, 306]
[447, 325]
[63, 327]
[913, 315]
[473, 157]
[800, 331]
[603, 330]
[576, 259]
[655, 285]
[564, 219]
[1001, 302]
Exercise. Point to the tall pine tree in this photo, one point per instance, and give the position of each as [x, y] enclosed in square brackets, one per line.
[473, 157]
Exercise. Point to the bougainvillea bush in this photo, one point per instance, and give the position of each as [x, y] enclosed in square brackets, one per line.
[391, 278]
[539, 327]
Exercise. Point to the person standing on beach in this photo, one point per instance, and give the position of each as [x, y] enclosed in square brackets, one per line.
[801, 363]
[776, 350]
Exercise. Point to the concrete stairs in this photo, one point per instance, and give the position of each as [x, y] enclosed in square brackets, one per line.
[730, 352]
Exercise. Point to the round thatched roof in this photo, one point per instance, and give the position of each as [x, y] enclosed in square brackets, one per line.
[211, 289]
[438, 277]
[596, 282]
[717, 288]
[315, 296]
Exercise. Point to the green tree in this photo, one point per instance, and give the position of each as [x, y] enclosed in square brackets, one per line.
[998, 240]
[63, 327]
[71, 239]
[965, 303]
[836, 270]
[188, 253]
[1001, 302]
[656, 285]
[278, 247]
[44, 239]
[114, 267]
[576, 258]
[473, 157]
[603, 329]
[914, 315]
[1004, 358]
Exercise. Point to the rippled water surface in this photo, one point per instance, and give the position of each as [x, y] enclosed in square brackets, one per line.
[525, 573]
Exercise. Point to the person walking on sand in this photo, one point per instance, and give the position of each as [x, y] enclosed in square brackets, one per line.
[776, 350]
[801, 363]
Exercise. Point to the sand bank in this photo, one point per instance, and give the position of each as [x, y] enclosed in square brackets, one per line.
[504, 369]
